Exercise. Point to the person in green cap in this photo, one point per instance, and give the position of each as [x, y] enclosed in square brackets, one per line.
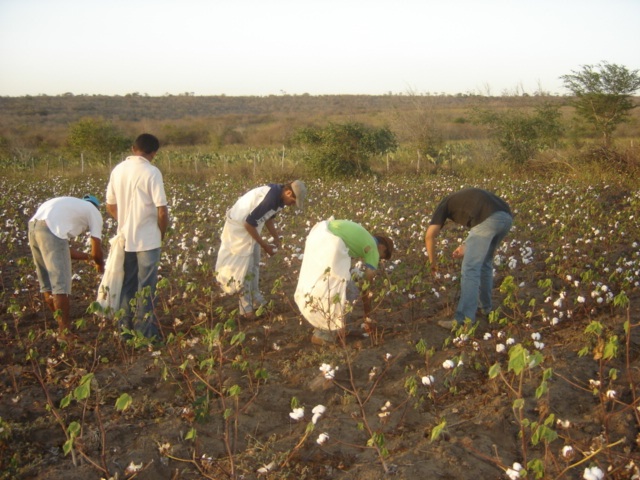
[325, 286]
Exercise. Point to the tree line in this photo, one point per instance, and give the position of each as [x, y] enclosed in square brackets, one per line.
[337, 134]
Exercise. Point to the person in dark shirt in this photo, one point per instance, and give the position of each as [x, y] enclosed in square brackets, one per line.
[238, 262]
[489, 219]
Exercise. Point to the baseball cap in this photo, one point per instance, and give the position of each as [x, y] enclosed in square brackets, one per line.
[92, 199]
[300, 191]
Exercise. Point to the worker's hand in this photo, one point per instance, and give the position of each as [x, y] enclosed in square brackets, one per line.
[100, 267]
[368, 325]
[270, 249]
[459, 252]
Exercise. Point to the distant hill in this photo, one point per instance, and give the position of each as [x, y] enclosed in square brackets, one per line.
[68, 108]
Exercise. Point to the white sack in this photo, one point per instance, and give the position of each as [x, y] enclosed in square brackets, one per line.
[234, 256]
[111, 284]
[321, 294]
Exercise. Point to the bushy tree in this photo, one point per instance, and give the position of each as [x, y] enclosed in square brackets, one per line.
[602, 95]
[520, 134]
[343, 150]
[98, 138]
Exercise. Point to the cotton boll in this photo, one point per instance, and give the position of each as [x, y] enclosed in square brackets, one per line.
[593, 473]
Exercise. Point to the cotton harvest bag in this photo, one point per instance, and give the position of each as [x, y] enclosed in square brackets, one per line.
[234, 256]
[321, 294]
[111, 284]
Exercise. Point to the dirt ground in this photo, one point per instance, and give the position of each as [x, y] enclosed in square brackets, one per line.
[480, 439]
[410, 401]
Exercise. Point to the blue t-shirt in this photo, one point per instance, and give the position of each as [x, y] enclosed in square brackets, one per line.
[271, 204]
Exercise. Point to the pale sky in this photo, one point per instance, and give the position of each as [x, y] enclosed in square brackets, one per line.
[272, 47]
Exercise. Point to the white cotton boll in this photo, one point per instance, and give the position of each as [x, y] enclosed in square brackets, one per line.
[319, 409]
[593, 473]
[487, 336]
[510, 341]
[297, 414]
[322, 438]
[567, 451]
[315, 418]
[611, 394]
[448, 364]
[500, 348]
[512, 474]
[538, 345]
[428, 380]
[581, 299]
[266, 469]
[535, 336]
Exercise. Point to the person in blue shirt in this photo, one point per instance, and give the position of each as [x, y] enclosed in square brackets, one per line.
[238, 262]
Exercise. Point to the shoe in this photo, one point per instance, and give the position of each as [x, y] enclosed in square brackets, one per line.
[448, 324]
[251, 316]
[316, 340]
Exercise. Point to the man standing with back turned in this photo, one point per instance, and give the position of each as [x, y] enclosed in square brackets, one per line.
[489, 218]
[137, 201]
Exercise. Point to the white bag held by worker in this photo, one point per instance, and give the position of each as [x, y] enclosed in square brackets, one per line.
[321, 294]
[111, 284]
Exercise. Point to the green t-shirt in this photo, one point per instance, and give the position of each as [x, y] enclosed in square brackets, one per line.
[360, 243]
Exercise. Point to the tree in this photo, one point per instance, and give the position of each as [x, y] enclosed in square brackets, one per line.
[603, 95]
[521, 135]
[96, 137]
[344, 150]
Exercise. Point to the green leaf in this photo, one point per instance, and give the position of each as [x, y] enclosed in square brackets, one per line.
[494, 371]
[64, 403]
[124, 401]
[438, 429]
[84, 389]
[518, 359]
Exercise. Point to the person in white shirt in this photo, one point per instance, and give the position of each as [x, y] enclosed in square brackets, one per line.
[137, 201]
[50, 229]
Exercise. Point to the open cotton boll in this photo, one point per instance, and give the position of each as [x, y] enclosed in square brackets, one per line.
[593, 473]
[319, 409]
[322, 438]
[297, 413]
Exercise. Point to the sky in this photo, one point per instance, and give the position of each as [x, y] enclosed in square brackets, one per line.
[295, 47]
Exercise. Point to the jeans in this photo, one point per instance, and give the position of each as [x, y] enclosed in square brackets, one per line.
[140, 272]
[477, 265]
[251, 298]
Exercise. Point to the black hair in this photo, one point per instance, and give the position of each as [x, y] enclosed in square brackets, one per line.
[387, 242]
[147, 143]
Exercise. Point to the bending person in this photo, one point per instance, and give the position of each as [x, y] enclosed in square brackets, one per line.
[325, 286]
